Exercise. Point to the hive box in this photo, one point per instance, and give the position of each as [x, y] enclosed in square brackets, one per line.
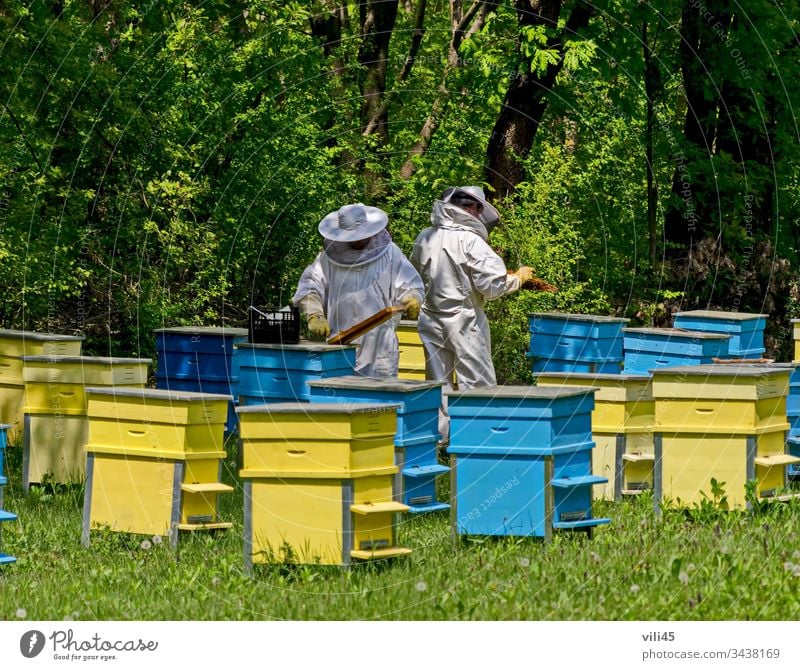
[622, 429]
[417, 429]
[521, 460]
[412, 351]
[154, 461]
[319, 483]
[280, 373]
[726, 422]
[648, 349]
[746, 330]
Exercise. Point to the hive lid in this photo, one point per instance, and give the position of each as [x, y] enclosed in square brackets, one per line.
[203, 330]
[597, 376]
[727, 316]
[40, 337]
[86, 360]
[410, 323]
[155, 394]
[534, 392]
[375, 383]
[678, 333]
[319, 408]
[579, 317]
[716, 370]
[310, 347]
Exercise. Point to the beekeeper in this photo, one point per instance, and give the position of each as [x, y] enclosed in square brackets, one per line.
[460, 272]
[359, 272]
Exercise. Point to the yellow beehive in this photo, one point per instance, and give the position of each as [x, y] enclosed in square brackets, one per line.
[622, 428]
[14, 344]
[53, 449]
[412, 351]
[796, 337]
[153, 461]
[722, 422]
[319, 482]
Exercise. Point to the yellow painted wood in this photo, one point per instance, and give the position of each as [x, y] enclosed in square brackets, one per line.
[720, 386]
[608, 389]
[776, 460]
[638, 475]
[334, 456]
[86, 370]
[372, 490]
[216, 487]
[603, 464]
[410, 372]
[56, 448]
[392, 552]
[156, 407]
[162, 437]
[200, 506]
[412, 351]
[12, 402]
[28, 343]
[796, 352]
[623, 417]
[322, 474]
[44, 398]
[298, 520]
[373, 532]
[11, 370]
[722, 416]
[407, 333]
[379, 508]
[131, 494]
[318, 426]
[690, 461]
[796, 331]
[220, 525]
[152, 453]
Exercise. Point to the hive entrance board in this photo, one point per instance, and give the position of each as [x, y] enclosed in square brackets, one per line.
[354, 332]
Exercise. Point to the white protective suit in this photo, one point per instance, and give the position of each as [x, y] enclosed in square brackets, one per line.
[352, 285]
[460, 272]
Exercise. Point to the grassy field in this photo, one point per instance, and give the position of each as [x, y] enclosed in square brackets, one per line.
[687, 566]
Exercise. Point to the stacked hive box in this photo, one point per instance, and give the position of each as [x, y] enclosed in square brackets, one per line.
[521, 460]
[746, 330]
[412, 352]
[648, 349]
[417, 433]
[56, 427]
[200, 359]
[796, 338]
[14, 344]
[622, 428]
[319, 482]
[281, 372]
[726, 422]
[575, 343]
[154, 461]
[4, 516]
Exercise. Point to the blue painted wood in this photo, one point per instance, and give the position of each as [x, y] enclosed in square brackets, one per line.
[230, 388]
[794, 423]
[418, 452]
[4, 516]
[793, 449]
[746, 330]
[7, 516]
[192, 365]
[575, 325]
[676, 342]
[587, 350]
[538, 364]
[202, 339]
[641, 362]
[417, 416]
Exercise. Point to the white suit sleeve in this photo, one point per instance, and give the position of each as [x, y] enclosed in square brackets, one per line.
[487, 270]
[312, 290]
[406, 280]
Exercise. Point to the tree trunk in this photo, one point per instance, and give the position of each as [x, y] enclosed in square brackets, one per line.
[526, 97]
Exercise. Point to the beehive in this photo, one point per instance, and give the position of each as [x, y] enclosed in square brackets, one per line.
[280, 373]
[55, 424]
[746, 330]
[412, 351]
[417, 430]
[4, 516]
[726, 422]
[200, 358]
[154, 461]
[14, 344]
[648, 349]
[796, 338]
[319, 482]
[575, 343]
[622, 429]
[522, 460]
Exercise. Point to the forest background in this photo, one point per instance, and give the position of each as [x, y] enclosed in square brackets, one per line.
[167, 163]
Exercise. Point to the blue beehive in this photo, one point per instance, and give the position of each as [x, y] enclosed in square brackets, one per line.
[281, 372]
[417, 429]
[4, 516]
[521, 460]
[200, 358]
[648, 349]
[746, 330]
[575, 343]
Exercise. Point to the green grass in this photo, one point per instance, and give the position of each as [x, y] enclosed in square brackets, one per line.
[707, 565]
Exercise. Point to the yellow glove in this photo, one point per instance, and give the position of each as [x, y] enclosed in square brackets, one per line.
[411, 307]
[525, 274]
[318, 327]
